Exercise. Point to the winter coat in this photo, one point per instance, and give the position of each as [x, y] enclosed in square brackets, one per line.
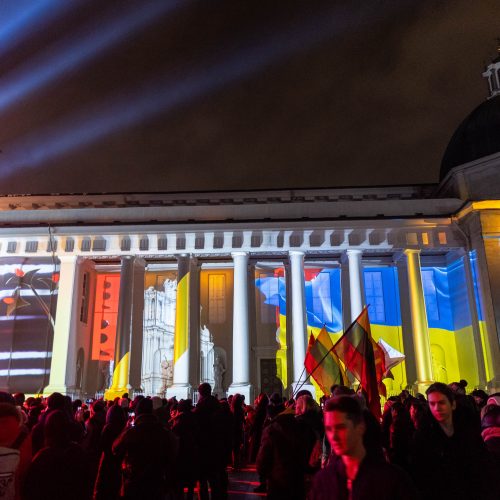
[148, 453]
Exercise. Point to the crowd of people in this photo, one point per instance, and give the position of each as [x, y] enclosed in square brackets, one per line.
[444, 445]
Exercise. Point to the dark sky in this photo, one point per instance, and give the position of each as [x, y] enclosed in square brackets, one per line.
[124, 96]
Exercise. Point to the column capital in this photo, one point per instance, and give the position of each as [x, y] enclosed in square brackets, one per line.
[239, 254]
[70, 258]
[354, 251]
[412, 251]
[296, 253]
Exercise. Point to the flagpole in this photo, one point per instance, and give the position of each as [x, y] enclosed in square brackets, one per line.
[328, 352]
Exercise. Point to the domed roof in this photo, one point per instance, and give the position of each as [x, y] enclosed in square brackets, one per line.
[477, 136]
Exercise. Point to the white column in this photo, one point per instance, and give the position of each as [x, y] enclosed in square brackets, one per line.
[299, 321]
[64, 331]
[241, 330]
[356, 283]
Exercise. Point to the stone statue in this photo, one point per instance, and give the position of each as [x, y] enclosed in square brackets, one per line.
[219, 370]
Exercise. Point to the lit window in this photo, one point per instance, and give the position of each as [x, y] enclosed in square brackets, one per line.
[374, 293]
[216, 298]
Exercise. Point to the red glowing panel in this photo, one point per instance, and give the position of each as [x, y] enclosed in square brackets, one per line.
[107, 295]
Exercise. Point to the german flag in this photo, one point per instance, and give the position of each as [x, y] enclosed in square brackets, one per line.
[181, 334]
[356, 350]
[321, 362]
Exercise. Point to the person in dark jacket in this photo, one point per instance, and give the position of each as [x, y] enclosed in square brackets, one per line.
[108, 482]
[185, 427]
[92, 440]
[358, 472]
[60, 469]
[283, 457]
[238, 412]
[215, 442]
[147, 452]
[449, 460]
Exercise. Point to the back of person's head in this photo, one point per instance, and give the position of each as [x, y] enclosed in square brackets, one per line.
[116, 416]
[204, 389]
[342, 390]
[5, 397]
[9, 410]
[480, 397]
[458, 387]
[157, 402]
[98, 407]
[184, 405]
[144, 407]
[443, 389]
[19, 398]
[275, 398]
[57, 429]
[56, 401]
[124, 403]
[349, 405]
[236, 402]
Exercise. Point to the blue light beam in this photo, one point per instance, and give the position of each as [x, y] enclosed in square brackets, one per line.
[67, 55]
[160, 96]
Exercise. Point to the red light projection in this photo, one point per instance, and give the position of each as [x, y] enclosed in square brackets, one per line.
[105, 316]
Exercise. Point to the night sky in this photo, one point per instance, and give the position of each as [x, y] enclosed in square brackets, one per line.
[127, 96]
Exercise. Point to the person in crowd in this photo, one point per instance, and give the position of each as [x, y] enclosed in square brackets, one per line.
[147, 452]
[92, 440]
[55, 401]
[185, 427]
[60, 469]
[108, 482]
[275, 407]
[310, 418]
[490, 424]
[283, 457]
[449, 459]
[419, 414]
[15, 451]
[214, 442]
[480, 398]
[238, 411]
[255, 435]
[358, 472]
[400, 436]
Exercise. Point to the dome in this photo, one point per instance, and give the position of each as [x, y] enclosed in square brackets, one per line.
[477, 136]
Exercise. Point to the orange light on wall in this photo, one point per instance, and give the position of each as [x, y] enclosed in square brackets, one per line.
[105, 317]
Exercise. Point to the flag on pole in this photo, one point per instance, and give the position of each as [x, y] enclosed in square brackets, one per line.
[321, 362]
[356, 350]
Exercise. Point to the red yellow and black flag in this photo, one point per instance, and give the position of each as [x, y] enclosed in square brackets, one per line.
[359, 353]
[321, 362]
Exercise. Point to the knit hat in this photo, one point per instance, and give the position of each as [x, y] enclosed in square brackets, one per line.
[157, 402]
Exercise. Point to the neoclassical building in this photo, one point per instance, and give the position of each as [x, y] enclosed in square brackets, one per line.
[154, 293]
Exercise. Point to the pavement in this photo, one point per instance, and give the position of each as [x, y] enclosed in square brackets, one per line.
[242, 482]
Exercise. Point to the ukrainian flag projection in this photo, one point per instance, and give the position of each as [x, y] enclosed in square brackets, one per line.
[28, 300]
[448, 316]
[323, 308]
[449, 320]
[384, 312]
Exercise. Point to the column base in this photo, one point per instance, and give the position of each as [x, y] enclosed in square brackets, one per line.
[493, 386]
[243, 389]
[63, 389]
[116, 392]
[179, 391]
[421, 387]
[305, 387]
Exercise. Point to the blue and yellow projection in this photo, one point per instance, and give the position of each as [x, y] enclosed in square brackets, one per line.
[447, 307]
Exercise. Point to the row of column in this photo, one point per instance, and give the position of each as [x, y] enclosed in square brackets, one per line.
[241, 332]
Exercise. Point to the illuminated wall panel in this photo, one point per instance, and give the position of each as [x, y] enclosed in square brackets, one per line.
[28, 299]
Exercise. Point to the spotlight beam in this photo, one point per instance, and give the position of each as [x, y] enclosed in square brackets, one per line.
[68, 55]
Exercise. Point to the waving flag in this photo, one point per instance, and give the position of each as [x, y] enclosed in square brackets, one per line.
[322, 364]
[356, 349]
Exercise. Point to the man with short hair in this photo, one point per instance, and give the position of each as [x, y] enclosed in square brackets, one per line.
[449, 459]
[357, 472]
